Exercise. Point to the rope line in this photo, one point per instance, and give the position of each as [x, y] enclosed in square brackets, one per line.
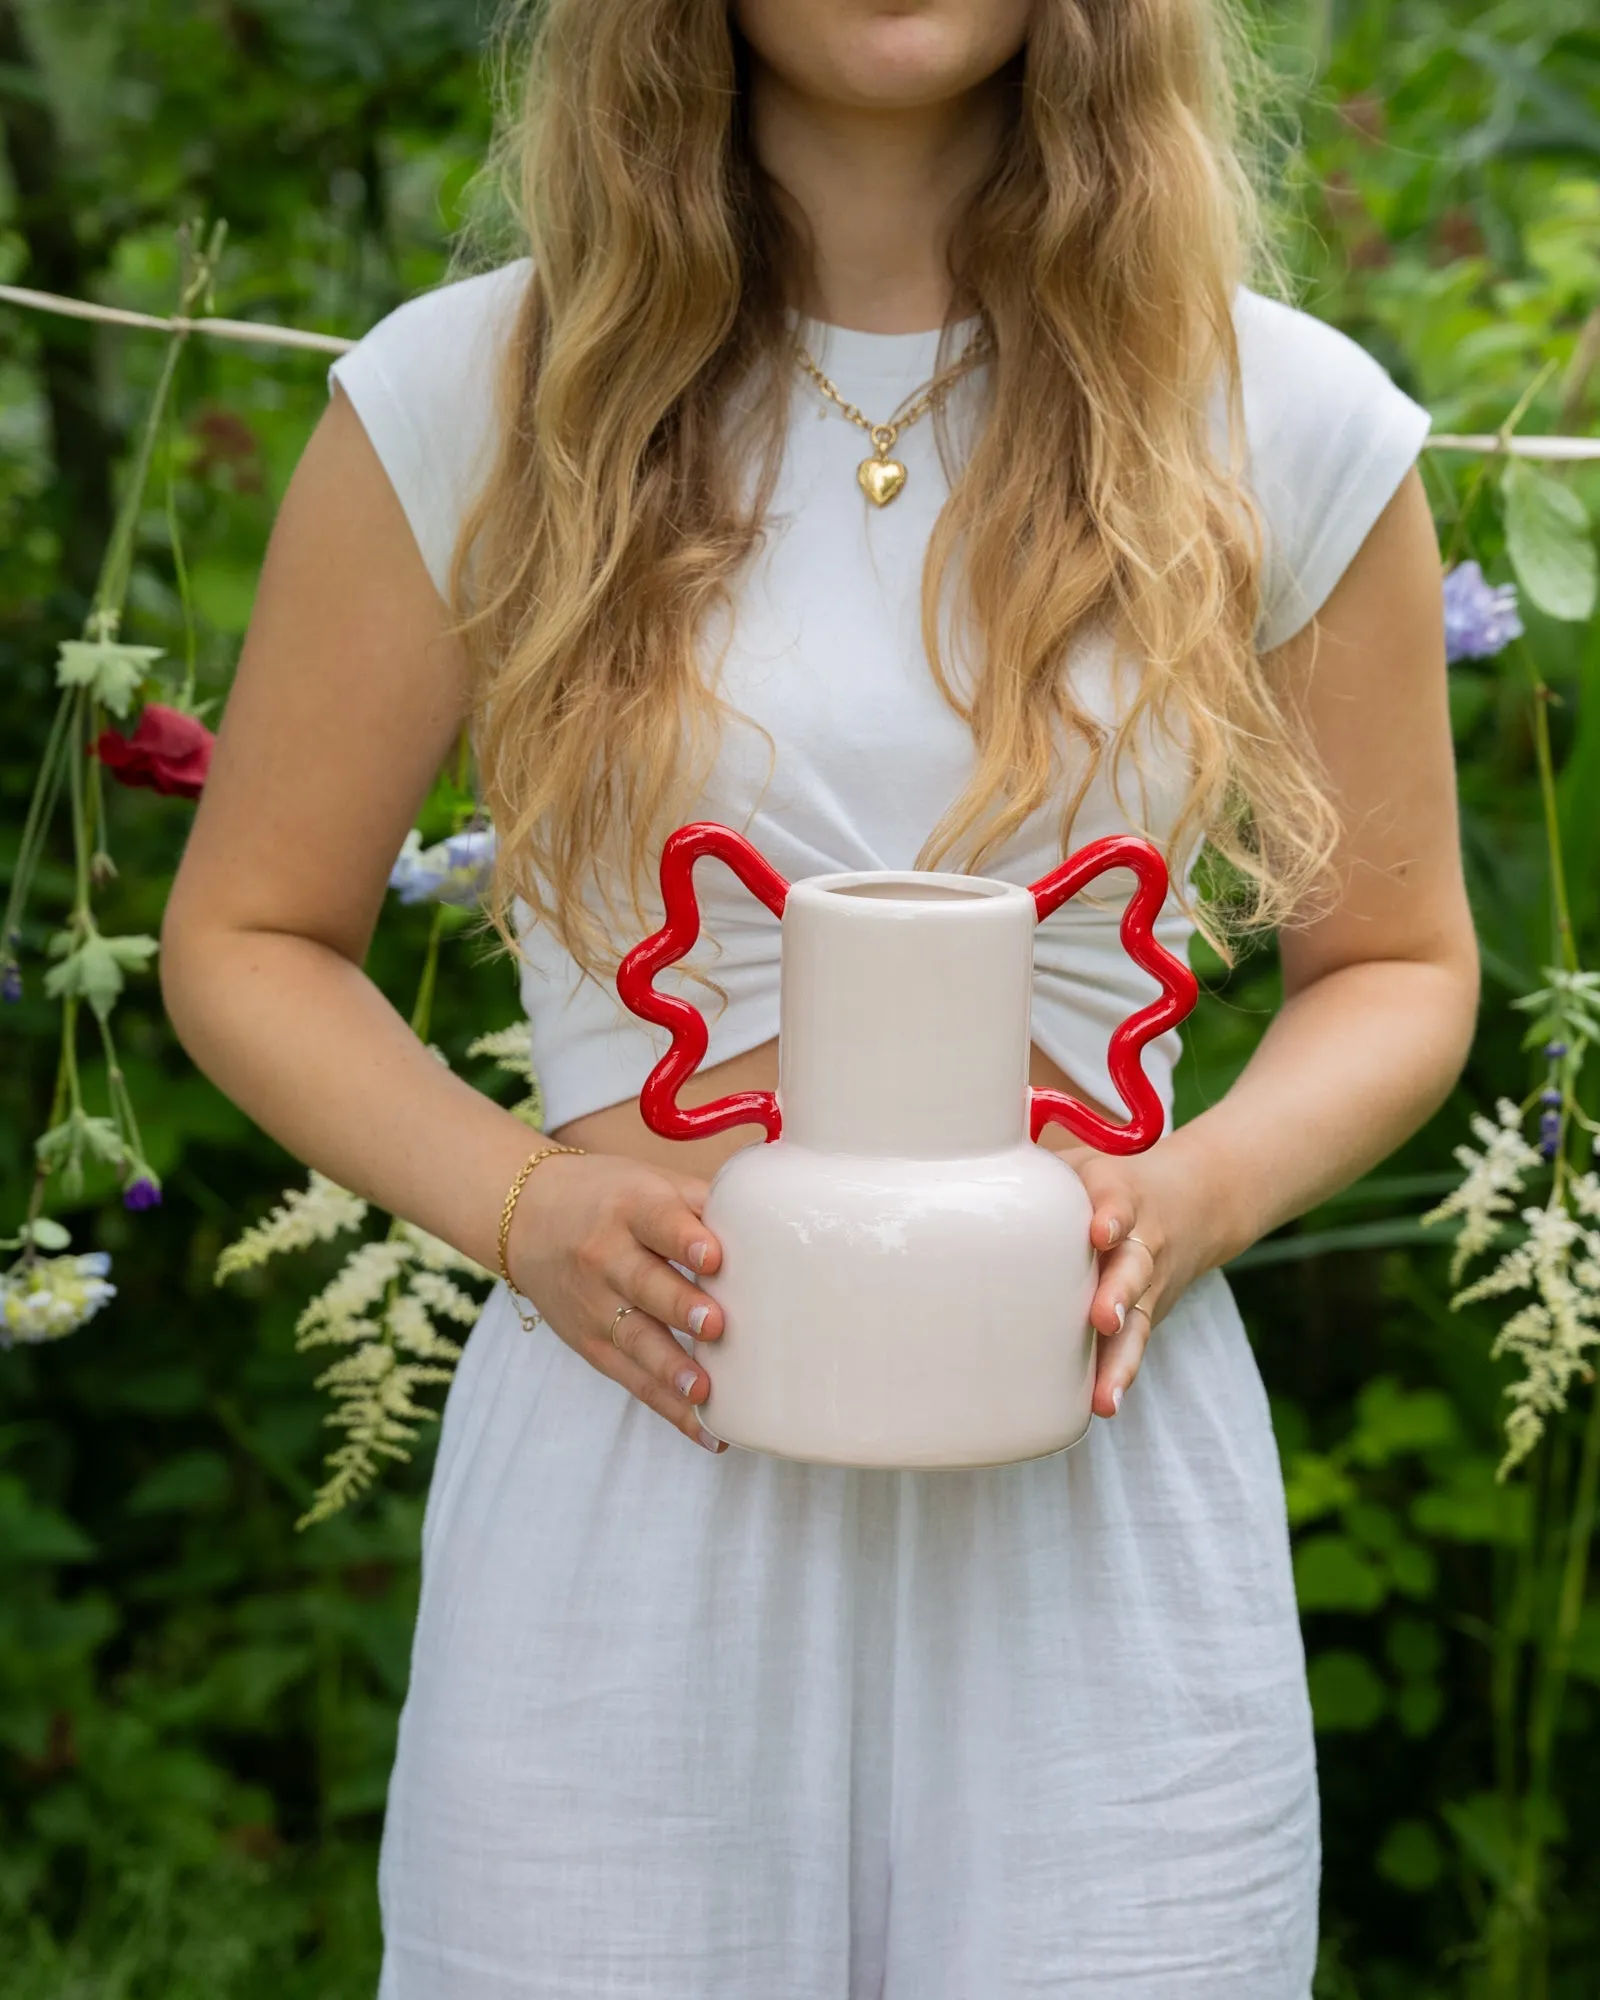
[257, 333]
[250, 331]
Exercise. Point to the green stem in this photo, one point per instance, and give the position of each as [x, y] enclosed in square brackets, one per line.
[1510, 1636]
[67, 744]
[422, 1007]
[1557, 1661]
[58, 1106]
[69, 1052]
[180, 571]
[1566, 951]
[80, 833]
[112, 590]
[120, 1096]
[1490, 464]
[41, 807]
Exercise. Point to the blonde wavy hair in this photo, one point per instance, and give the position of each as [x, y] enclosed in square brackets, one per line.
[1100, 253]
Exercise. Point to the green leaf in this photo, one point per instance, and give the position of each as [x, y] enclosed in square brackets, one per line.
[1392, 1422]
[193, 1480]
[95, 969]
[1314, 1485]
[64, 1147]
[1345, 1692]
[32, 1532]
[1412, 1570]
[48, 1234]
[1473, 1507]
[1374, 1526]
[1418, 1707]
[1414, 1647]
[1331, 1574]
[113, 673]
[1296, 1246]
[1483, 1834]
[1411, 1856]
[1549, 542]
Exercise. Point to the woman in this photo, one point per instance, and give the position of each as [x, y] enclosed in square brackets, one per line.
[684, 1730]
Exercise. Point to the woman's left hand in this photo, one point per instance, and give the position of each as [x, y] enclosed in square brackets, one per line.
[1152, 1226]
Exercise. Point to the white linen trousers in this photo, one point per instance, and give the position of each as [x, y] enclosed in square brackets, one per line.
[684, 1727]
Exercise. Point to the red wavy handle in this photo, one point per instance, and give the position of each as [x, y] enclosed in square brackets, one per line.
[658, 1101]
[1179, 992]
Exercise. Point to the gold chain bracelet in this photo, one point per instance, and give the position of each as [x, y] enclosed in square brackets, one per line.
[513, 1195]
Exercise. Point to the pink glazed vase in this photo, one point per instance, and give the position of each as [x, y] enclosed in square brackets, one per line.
[906, 1276]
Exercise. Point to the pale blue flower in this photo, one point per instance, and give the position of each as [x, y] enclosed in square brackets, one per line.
[451, 871]
[44, 1298]
[1480, 619]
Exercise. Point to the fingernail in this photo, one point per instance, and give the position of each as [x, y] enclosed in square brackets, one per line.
[1121, 1312]
[697, 1320]
[697, 1255]
[685, 1381]
[1116, 1398]
[1113, 1231]
[703, 1436]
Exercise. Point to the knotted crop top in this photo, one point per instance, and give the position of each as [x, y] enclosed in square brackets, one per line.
[855, 755]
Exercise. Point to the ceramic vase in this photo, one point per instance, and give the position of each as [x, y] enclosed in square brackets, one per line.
[906, 1275]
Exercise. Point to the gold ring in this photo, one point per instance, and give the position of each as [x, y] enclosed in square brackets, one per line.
[1131, 1238]
[1139, 1306]
[617, 1318]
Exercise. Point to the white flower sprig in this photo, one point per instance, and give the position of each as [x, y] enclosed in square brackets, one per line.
[387, 1306]
[1557, 1259]
[1494, 1176]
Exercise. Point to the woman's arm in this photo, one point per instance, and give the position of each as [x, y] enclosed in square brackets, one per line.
[348, 696]
[1380, 994]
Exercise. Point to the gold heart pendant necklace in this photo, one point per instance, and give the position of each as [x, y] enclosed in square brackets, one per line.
[881, 477]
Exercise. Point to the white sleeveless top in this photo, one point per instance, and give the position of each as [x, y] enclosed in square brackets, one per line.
[826, 655]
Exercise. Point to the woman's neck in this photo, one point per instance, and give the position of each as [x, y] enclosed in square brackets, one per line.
[878, 191]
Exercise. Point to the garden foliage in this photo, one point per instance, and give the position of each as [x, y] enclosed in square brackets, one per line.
[197, 1704]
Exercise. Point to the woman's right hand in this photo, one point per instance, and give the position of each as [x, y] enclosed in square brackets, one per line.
[596, 1231]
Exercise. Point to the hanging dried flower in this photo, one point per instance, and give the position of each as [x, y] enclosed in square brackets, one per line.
[46, 1298]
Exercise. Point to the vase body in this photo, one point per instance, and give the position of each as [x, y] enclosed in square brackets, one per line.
[906, 1275]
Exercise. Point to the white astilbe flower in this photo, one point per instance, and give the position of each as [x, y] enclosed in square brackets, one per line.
[443, 1298]
[511, 1049]
[1494, 1176]
[1585, 1192]
[387, 1307]
[337, 1314]
[434, 1254]
[383, 1306]
[375, 1405]
[413, 1332]
[1550, 1336]
[315, 1213]
[1557, 1261]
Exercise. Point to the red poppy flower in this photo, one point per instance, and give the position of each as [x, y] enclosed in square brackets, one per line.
[169, 752]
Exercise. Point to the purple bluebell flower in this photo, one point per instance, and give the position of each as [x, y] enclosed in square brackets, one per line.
[1480, 619]
[1550, 1099]
[10, 982]
[1549, 1134]
[1554, 1051]
[142, 1192]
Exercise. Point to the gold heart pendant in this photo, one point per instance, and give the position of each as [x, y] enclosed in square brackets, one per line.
[880, 479]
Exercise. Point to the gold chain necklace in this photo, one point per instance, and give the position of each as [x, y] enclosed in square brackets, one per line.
[882, 477]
